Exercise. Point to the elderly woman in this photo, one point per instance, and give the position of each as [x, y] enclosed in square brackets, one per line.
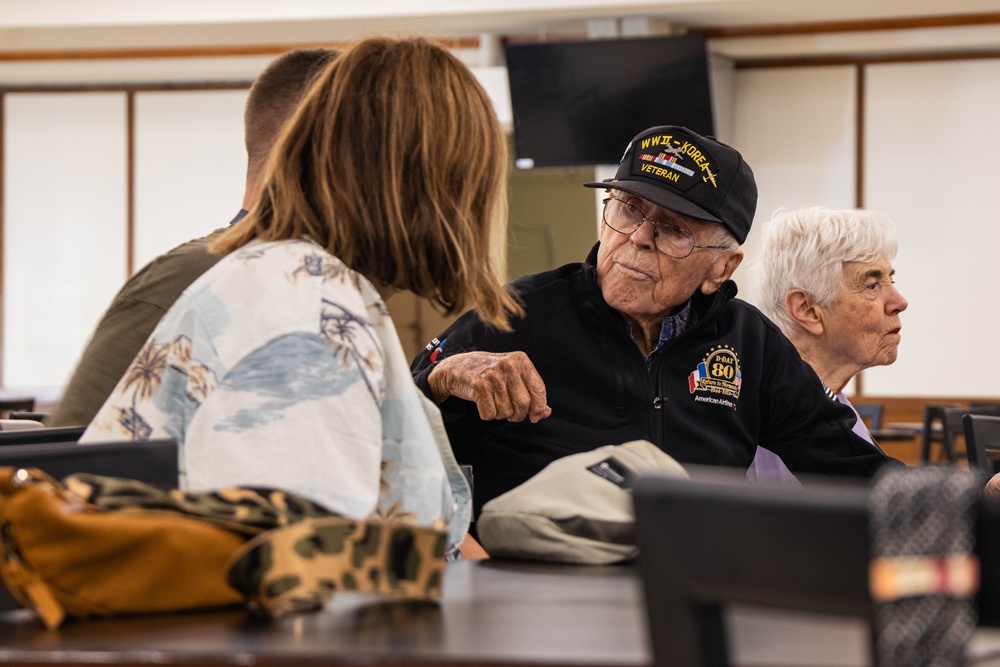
[826, 280]
[280, 366]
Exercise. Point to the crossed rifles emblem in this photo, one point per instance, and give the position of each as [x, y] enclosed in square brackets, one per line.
[707, 177]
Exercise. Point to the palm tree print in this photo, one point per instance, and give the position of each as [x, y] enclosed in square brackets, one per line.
[146, 371]
[341, 328]
[331, 269]
[395, 514]
[133, 423]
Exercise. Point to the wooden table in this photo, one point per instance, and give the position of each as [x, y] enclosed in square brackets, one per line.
[895, 433]
[493, 614]
[900, 441]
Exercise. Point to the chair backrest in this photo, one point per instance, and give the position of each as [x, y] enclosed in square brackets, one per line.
[704, 544]
[8, 405]
[933, 417]
[943, 422]
[982, 436]
[42, 436]
[153, 461]
[34, 416]
[873, 413]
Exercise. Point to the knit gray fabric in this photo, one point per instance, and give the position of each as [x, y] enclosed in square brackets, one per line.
[924, 512]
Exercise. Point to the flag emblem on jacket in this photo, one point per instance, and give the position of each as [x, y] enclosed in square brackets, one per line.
[697, 376]
[718, 378]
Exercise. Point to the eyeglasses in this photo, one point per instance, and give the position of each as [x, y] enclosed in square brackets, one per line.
[669, 239]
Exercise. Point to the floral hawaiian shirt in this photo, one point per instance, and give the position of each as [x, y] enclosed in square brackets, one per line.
[280, 367]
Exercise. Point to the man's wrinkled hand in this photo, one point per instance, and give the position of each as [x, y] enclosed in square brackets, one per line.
[502, 385]
[992, 489]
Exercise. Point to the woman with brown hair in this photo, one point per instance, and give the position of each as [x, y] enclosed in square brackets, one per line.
[280, 366]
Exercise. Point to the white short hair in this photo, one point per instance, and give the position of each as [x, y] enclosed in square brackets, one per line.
[806, 249]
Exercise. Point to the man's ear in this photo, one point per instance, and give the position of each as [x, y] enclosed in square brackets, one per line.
[807, 313]
[721, 271]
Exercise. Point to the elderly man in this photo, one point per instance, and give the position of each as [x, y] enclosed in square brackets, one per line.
[826, 280]
[643, 340]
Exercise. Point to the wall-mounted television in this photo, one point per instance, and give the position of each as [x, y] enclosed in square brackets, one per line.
[581, 102]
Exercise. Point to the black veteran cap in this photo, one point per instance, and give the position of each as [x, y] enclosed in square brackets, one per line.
[689, 174]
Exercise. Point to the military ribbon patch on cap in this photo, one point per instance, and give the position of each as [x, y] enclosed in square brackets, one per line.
[676, 161]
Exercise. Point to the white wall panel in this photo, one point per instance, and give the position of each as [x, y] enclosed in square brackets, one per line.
[64, 224]
[795, 127]
[190, 166]
[931, 165]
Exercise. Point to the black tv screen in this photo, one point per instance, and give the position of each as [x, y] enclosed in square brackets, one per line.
[581, 102]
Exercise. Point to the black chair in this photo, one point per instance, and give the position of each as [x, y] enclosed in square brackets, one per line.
[942, 423]
[34, 416]
[8, 405]
[982, 437]
[871, 413]
[705, 544]
[152, 461]
[42, 436]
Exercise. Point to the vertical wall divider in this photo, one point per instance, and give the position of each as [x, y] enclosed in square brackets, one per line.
[130, 183]
[3, 235]
[859, 170]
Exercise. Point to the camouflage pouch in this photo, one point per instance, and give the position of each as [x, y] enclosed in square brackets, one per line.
[97, 546]
[248, 510]
[299, 567]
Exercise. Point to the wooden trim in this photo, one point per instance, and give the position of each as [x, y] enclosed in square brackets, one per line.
[197, 51]
[874, 59]
[859, 167]
[713, 32]
[548, 37]
[129, 184]
[858, 25]
[127, 87]
[3, 233]
[859, 137]
[911, 408]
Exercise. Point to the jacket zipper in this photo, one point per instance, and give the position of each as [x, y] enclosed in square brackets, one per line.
[659, 415]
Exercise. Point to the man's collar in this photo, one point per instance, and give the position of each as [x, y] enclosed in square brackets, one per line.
[239, 216]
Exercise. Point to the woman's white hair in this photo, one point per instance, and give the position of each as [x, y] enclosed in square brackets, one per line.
[806, 249]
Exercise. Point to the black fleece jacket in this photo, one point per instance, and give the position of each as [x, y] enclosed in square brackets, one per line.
[726, 384]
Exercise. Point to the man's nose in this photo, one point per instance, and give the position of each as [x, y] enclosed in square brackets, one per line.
[644, 237]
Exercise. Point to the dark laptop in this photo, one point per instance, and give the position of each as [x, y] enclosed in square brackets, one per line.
[154, 462]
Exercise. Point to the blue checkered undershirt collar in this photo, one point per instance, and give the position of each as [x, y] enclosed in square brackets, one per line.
[672, 327]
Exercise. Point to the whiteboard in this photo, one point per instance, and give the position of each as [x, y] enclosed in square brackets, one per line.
[931, 151]
[795, 127]
[190, 166]
[64, 225]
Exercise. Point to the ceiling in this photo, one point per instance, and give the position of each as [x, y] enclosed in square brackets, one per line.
[68, 24]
